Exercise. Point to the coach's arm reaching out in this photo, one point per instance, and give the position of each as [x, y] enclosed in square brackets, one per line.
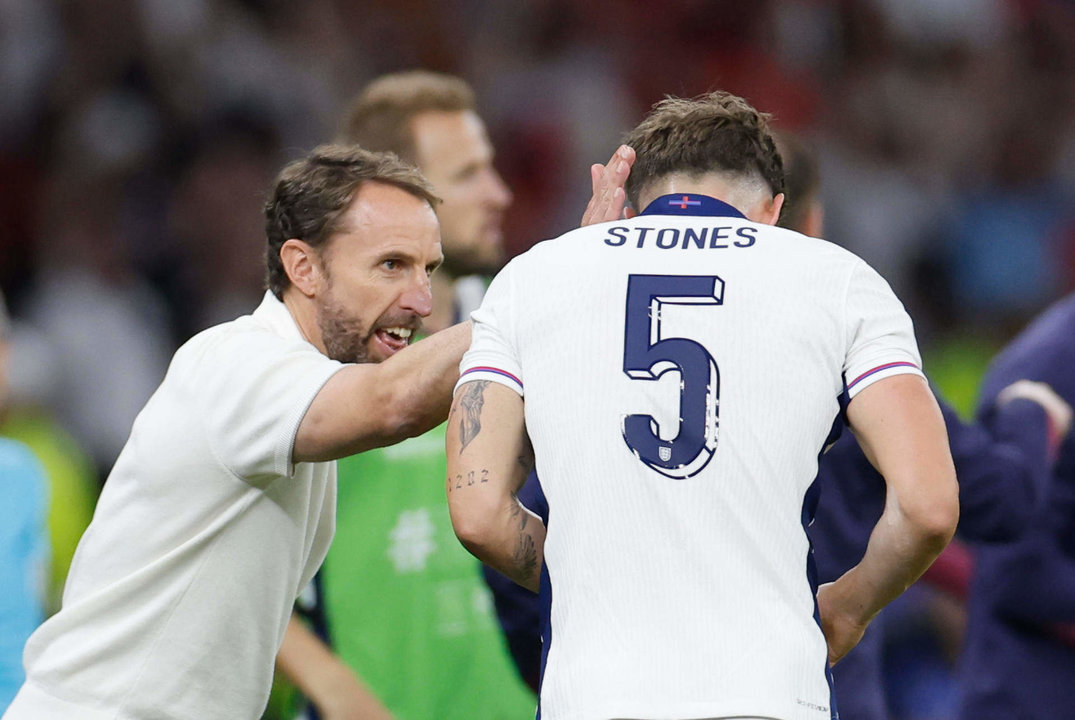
[900, 428]
[489, 456]
[370, 405]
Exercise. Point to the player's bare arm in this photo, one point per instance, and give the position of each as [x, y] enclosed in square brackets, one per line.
[489, 456]
[371, 405]
[900, 427]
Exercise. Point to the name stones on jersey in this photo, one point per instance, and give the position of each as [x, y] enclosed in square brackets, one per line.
[666, 238]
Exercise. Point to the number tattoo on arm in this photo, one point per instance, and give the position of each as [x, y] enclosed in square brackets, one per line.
[471, 399]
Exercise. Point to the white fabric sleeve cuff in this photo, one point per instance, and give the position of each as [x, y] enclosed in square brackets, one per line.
[880, 372]
[491, 374]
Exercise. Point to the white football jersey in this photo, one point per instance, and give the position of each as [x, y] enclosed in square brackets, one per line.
[681, 376]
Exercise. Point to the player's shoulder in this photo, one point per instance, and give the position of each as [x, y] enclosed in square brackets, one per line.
[237, 346]
[554, 252]
[793, 241]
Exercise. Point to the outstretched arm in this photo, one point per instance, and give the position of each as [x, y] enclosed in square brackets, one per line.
[489, 456]
[900, 428]
[376, 404]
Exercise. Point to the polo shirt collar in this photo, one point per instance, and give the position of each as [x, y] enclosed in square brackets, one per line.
[275, 315]
[691, 204]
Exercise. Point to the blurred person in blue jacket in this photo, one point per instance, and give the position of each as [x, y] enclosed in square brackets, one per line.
[1018, 662]
[23, 544]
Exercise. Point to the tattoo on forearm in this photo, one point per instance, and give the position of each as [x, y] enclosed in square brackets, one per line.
[473, 477]
[525, 555]
[471, 400]
[526, 457]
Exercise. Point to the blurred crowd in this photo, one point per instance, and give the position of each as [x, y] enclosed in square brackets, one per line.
[137, 139]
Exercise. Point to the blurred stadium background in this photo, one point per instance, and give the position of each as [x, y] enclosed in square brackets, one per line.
[137, 138]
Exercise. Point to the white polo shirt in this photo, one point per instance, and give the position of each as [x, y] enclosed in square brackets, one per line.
[182, 586]
[681, 376]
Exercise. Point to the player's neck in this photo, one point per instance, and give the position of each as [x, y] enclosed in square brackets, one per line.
[756, 205]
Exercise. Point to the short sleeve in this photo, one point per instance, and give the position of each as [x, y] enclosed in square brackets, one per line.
[492, 354]
[256, 388]
[879, 333]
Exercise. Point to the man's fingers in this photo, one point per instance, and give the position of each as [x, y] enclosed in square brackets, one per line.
[607, 181]
[597, 170]
[625, 156]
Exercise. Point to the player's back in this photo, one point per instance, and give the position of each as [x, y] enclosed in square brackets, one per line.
[681, 376]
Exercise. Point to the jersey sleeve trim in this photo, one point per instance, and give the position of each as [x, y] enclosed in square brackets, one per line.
[881, 372]
[485, 372]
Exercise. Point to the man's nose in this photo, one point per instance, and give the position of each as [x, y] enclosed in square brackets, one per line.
[418, 297]
[499, 193]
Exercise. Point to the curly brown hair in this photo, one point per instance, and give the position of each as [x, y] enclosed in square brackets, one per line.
[716, 132]
[310, 194]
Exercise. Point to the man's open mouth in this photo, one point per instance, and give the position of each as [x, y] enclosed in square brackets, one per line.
[396, 338]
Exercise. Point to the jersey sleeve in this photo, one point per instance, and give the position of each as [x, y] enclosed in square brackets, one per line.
[493, 355]
[880, 335]
[256, 390]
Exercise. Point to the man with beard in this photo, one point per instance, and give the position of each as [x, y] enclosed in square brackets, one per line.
[401, 604]
[221, 506]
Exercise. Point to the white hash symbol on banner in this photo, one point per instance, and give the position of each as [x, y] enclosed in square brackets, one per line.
[412, 541]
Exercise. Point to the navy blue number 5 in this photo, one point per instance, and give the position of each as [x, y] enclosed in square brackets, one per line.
[647, 356]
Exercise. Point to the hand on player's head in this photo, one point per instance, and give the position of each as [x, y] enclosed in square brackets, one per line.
[609, 198]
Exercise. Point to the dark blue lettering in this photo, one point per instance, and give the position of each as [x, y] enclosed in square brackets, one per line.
[642, 235]
[747, 233]
[691, 235]
[719, 233]
[664, 245]
[620, 233]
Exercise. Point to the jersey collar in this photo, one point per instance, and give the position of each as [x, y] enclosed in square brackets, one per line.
[274, 314]
[689, 204]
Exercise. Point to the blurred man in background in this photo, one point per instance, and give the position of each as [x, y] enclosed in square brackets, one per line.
[408, 616]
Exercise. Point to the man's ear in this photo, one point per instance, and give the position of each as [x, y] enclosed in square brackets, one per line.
[302, 263]
[767, 212]
[629, 212]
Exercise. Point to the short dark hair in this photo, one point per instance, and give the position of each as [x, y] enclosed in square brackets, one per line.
[802, 179]
[310, 194]
[716, 132]
[380, 117]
